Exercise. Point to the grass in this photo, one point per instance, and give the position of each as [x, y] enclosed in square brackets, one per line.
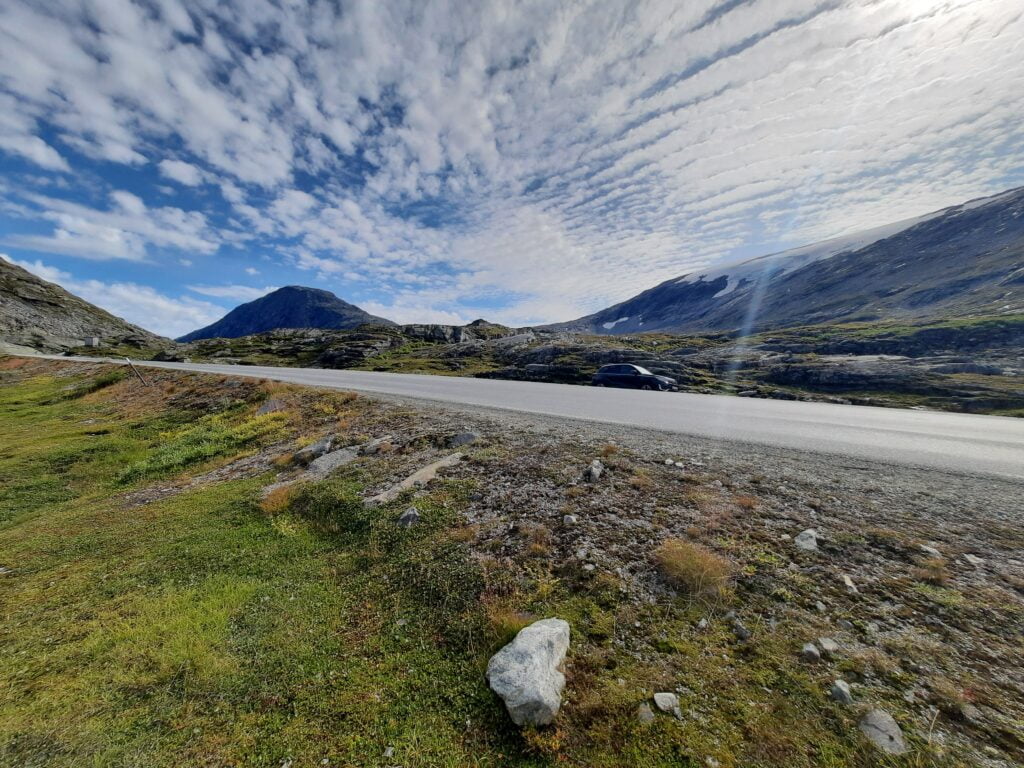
[201, 629]
[694, 569]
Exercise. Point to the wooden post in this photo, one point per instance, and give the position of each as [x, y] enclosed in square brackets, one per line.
[136, 371]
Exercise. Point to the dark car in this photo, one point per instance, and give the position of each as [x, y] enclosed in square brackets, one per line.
[633, 377]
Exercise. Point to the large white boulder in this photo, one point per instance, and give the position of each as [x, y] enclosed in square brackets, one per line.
[526, 673]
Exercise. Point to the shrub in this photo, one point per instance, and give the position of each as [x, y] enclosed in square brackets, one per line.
[694, 569]
[932, 570]
[277, 500]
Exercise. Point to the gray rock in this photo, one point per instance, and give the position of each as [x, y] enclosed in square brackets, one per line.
[463, 438]
[841, 693]
[570, 520]
[332, 461]
[740, 630]
[374, 446]
[594, 471]
[666, 702]
[974, 560]
[930, 550]
[526, 675]
[820, 607]
[850, 586]
[315, 451]
[270, 406]
[829, 647]
[645, 714]
[409, 518]
[810, 652]
[807, 540]
[882, 731]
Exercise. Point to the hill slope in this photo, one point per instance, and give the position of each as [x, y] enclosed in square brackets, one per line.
[293, 306]
[41, 315]
[958, 261]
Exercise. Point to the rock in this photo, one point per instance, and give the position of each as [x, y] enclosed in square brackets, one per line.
[374, 446]
[594, 471]
[930, 550]
[666, 702]
[829, 647]
[570, 520]
[332, 461]
[415, 480]
[645, 714]
[669, 462]
[525, 673]
[409, 518]
[840, 692]
[463, 438]
[807, 540]
[882, 731]
[315, 451]
[820, 606]
[703, 624]
[848, 583]
[740, 630]
[810, 652]
[974, 560]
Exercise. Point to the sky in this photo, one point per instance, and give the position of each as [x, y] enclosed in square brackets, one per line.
[526, 162]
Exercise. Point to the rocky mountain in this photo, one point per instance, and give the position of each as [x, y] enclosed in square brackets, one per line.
[293, 306]
[44, 317]
[959, 261]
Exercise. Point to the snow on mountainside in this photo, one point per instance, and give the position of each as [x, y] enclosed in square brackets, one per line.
[953, 261]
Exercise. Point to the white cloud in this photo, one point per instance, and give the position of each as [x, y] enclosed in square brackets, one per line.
[181, 172]
[138, 304]
[575, 153]
[240, 292]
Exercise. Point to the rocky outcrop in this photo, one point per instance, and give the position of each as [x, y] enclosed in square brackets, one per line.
[44, 317]
[527, 674]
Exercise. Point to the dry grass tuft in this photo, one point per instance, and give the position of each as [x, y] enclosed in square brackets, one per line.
[609, 450]
[504, 623]
[745, 502]
[932, 570]
[465, 533]
[277, 501]
[641, 480]
[694, 569]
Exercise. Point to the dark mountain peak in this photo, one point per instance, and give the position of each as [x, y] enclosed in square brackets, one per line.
[293, 306]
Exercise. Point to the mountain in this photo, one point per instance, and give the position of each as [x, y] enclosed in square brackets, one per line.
[45, 317]
[293, 306]
[962, 260]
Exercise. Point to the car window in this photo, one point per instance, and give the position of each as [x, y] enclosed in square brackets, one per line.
[642, 370]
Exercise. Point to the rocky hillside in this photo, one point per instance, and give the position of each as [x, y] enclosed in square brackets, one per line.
[43, 316]
[957, 262]
[293, 306]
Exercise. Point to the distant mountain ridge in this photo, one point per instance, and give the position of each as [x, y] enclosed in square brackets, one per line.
[43, 316]
[961, 260]
[293, 306]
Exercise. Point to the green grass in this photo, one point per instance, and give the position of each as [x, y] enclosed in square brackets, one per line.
[197, 630]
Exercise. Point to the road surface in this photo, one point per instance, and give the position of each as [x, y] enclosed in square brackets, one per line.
[953, 442]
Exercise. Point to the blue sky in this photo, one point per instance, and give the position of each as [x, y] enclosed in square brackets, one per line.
[439, 161]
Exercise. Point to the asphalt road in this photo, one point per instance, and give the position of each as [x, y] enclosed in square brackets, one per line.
[953, 442]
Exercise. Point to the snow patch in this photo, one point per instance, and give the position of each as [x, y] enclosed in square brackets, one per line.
[609, 326]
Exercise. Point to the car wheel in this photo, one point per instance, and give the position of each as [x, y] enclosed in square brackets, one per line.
[646, 387]
[598, 384]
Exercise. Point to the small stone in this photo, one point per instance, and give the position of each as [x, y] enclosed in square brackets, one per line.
[741, 631]
[389, 752]
[845, 624]
[679, 465]
[930, 550]
[841, 693]
[409, 518]
[667, 702]
[645, 714]
[570, 520]
[314, 451]
[711, 762]
[703, 624]
[589, 567]
[882, 731]
[820, 606]
[594, 471]
[270, 406]
[810, 652]
[974, 560]
[829, 647]
[850, 586]
[669, 462]
[807, 540]
[374, 446]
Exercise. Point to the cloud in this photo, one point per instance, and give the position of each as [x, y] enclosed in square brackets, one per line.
[181, 172]
[138, 304]
[239, 292]
[538, 165]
